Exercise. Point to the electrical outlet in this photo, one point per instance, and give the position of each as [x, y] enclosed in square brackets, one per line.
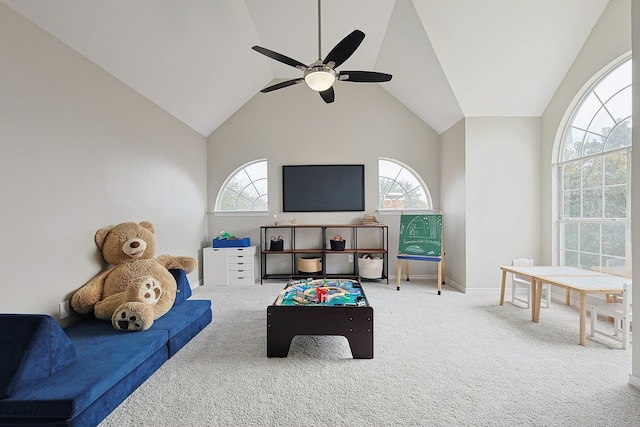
[63, 309]
[350, 258]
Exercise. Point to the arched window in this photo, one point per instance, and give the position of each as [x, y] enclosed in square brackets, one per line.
[401, 188]
[245, 190]
[594, 177]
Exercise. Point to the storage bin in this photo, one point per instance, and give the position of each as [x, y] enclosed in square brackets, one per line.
[276, 245]
[337, 245]
[370, 268]
[231, 243]
[309, 265]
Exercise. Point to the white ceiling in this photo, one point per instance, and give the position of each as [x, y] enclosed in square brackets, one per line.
[449, 58]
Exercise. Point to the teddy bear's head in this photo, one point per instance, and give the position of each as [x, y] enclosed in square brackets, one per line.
[127, 241]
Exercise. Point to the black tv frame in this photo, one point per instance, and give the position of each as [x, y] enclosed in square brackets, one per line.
[323, 188]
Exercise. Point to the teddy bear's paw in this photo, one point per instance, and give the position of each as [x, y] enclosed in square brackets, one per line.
[129, 318]
[149, 291]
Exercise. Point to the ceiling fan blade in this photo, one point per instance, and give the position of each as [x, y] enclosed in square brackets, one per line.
[364, 76]
[279, 57]
[343, 50]
[281, 85]
[328, 95]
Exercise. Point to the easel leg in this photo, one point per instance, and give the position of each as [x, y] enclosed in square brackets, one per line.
[439, 277]
[399, 274]
[406, 266]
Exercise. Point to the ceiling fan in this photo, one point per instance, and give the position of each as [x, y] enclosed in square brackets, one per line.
[322, 74]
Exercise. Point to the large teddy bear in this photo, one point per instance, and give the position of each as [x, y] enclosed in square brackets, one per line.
[137, 288]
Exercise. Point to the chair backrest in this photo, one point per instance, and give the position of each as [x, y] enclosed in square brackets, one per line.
[620, 305]
[521, 262]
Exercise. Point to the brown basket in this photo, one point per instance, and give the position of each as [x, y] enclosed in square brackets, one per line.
[309, 265]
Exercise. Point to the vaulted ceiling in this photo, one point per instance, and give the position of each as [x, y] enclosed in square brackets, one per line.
[449, 58]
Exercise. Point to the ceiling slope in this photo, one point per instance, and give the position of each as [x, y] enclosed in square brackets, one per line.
[449, 58]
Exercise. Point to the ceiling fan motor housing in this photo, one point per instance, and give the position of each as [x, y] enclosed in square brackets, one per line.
[319, 77]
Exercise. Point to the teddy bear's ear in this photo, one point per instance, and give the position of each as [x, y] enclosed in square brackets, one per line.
[101, 236]
[148, 226]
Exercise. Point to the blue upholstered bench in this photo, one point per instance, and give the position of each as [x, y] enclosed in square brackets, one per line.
[77, 376]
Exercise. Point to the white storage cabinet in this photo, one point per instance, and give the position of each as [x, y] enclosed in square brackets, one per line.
[230, 266]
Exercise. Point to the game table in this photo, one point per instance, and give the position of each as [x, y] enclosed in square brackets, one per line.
[321, 307]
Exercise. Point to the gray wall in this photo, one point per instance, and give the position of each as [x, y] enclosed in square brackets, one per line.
[502, 194]
[454, 203]
[294, 126]
[80, 151]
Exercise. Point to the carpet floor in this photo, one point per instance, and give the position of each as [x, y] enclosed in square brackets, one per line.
[439, 360]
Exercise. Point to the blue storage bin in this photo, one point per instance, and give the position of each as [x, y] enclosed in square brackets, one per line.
[232, 243]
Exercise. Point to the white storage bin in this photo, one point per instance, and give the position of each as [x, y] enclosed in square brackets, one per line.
[370, 268]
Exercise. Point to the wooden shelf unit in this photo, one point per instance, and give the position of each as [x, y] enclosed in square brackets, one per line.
[321, 248]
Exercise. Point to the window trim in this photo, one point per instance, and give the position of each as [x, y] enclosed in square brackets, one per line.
[558, 154]
[416, 175]
[217, 212]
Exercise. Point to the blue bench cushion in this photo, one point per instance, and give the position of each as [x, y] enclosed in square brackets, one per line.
[186, 320]
[184, 289]
[106, 359]
[182, 316]
[33, 347]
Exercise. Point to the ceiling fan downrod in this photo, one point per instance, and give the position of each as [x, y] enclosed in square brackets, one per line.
[319, 33]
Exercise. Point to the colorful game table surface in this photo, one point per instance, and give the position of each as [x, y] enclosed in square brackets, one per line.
[323, 292]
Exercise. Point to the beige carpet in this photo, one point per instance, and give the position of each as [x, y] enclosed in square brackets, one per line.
[448, 360]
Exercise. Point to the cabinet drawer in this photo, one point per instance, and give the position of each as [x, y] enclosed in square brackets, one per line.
[241, 279]
[240, 264]
[241, 272]
[241, 251]
[246, 257]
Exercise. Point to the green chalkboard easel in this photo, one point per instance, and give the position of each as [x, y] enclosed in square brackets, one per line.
[420, 235]
[421, 239]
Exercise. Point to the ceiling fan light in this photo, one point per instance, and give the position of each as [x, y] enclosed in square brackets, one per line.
[320, 79]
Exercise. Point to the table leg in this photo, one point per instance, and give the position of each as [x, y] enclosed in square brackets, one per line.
[538, 300]
[567, 298]
[504, 284]
[534, 298]
[583, 318]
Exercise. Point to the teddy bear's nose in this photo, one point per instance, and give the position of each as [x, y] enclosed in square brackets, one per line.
[134, 247]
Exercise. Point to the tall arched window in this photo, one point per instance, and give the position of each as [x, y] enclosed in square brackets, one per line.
[400, 188]
[245, 190]
[594, 177]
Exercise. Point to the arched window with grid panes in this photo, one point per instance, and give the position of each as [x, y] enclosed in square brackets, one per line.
[401, 188]
[594, 176]
[245, 190]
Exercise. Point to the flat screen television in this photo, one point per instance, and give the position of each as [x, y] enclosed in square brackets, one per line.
[322, 188]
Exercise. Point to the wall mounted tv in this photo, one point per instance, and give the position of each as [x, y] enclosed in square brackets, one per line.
[322, 188]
